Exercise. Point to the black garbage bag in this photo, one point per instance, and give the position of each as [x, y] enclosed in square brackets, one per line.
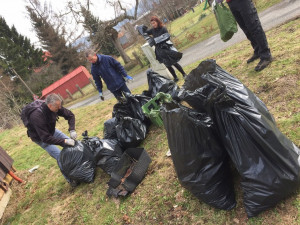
[132, 107]
[158, 83]
[77, 163]
[129, 172]
[109, 130]
[166, 54]
[267, 160]
[106, 152]
[208, 82]
[200, 161]
[131, 132]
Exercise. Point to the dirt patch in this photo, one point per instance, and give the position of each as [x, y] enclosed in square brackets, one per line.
[279, 92]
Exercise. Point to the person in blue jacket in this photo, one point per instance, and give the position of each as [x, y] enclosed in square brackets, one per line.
[111, 71]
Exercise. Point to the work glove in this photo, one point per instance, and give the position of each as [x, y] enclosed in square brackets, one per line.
[70, 142]
[219, 1]
[145, 28]
[101, 96]
[128, 78]
[73, 134]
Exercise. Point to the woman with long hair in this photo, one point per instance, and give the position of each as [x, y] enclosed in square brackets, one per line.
[165, 52]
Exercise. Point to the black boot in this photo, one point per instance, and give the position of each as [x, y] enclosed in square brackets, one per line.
[263, 63]
[253, 58]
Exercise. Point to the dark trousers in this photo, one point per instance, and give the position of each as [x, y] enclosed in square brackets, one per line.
[172, 71]
[246, 16]
[119, 93]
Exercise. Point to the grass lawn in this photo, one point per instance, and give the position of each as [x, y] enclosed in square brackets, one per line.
[47, 199]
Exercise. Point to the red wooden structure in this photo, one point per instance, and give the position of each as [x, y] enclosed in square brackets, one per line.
[80, 76]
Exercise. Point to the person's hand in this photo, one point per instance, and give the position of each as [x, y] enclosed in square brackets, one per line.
[219, 1]
[101, 96]
[73, 134]
[144, 28]
[70, 142]
[128, 78]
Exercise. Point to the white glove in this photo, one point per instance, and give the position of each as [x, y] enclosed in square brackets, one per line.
[73, 134]
[69, 142]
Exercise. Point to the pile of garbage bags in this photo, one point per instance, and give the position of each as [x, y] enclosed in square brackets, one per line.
[117, 153]
[214, 125]
[227, 122]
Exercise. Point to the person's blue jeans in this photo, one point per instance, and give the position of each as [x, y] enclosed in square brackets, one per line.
[53, 150]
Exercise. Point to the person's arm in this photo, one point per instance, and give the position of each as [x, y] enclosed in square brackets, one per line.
[114, 63]
[68, 115]
[97, 80]
[164, 30]
[149, 31]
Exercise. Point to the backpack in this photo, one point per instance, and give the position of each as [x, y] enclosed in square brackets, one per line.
[28, 109]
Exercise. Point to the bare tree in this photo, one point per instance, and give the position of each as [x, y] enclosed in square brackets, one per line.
[10, 108]
[52, 32]
[103, 30]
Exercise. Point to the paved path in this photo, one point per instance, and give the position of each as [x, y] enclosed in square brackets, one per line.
[271, 17]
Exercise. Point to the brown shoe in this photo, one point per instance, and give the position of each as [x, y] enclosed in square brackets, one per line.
[253, 58]
[263, 63]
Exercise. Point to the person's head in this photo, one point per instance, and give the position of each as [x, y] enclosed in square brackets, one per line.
[155, 22]
[91, 56]
[53, 101]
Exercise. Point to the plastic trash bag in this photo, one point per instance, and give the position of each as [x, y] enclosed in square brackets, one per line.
[200, 161]
[130, 132]
[226, 21]
[268, 162]
[106, 152]
[158, 83]
[77, 163]
[109, 130]
[132, 107]
[129, 172]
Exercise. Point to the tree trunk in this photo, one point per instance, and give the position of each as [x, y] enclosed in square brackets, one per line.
[120, 49]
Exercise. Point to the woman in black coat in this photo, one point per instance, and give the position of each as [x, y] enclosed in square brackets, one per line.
[165, 52]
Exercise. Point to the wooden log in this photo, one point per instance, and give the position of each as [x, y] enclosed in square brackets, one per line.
[69, 93]
[80, 90]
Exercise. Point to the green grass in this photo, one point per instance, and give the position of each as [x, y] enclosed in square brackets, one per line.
[46, 198]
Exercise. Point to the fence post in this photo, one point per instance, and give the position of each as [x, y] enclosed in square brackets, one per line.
[92, 82]
[60, 97]
[69, 93]
[79, 89]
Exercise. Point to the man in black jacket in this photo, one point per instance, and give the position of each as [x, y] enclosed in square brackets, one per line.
[41, 128]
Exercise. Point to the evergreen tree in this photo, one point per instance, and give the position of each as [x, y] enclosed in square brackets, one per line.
[63, 54]
[17, 50]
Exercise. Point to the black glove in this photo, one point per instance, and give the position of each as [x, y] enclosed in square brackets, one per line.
[144, 28]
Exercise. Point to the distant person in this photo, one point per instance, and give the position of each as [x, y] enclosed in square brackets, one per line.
[246, 16]
[165, 52]
[40, 119]
[111, 71]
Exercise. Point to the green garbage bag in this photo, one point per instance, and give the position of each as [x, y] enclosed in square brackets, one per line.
[226, 21]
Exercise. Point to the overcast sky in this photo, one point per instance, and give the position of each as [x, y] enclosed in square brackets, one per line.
[14, 13]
